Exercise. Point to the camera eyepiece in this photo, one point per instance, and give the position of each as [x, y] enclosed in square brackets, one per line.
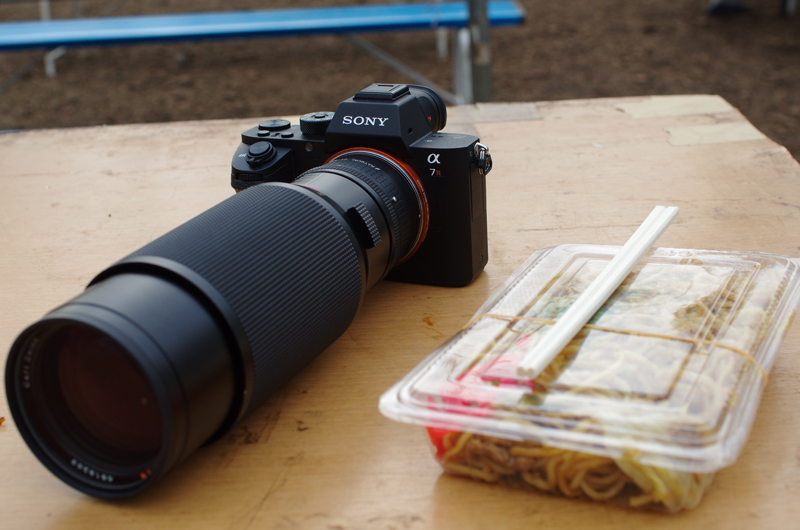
[433, 105]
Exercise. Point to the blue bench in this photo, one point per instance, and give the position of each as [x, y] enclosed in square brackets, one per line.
[100, 31]
[58, 35]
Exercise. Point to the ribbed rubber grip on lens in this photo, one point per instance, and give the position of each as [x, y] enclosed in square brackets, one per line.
[285, 265]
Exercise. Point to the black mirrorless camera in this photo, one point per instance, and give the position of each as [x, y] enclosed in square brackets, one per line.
[431, 186]
[171, 346]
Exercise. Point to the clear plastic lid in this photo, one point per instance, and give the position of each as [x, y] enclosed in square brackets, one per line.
[668, 373]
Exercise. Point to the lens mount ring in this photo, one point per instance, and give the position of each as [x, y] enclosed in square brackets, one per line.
[413, 180]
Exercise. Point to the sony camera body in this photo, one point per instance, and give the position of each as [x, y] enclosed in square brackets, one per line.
[399, 123]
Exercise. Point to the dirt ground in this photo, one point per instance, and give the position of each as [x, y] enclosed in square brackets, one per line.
[565, 50]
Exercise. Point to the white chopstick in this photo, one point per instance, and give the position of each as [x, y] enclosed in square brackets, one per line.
[581, 311]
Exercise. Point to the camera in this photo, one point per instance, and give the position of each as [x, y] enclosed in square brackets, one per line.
[387, 136]
[173, 345]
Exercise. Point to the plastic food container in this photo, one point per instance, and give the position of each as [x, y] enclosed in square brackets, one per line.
[651, 398]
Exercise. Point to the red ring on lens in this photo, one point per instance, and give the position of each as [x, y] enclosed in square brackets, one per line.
[426, 214]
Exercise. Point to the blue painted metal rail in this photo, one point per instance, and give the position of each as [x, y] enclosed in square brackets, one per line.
[259, 23]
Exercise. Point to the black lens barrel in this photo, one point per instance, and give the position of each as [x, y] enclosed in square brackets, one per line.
[217, 314]
[171, 346]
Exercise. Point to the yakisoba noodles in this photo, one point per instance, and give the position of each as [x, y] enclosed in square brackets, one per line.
[570, 473]
[642, 407]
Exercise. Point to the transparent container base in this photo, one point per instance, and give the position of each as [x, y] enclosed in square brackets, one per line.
[568, 473]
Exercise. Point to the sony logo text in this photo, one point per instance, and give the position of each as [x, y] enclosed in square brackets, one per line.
[363, 120]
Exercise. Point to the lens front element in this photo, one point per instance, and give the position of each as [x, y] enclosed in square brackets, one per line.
[106, 394]
[88, 408]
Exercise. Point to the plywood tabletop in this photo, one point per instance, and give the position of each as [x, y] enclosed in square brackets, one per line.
[319, 454]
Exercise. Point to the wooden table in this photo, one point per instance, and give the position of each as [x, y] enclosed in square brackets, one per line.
[319, 454]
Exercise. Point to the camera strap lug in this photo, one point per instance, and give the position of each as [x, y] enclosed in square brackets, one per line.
[483, 157]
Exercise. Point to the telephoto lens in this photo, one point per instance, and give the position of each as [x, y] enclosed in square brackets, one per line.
[171, 346]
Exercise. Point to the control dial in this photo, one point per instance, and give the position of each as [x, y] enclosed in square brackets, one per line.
[315, 123]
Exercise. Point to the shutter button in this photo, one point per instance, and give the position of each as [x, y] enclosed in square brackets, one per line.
[278, 124]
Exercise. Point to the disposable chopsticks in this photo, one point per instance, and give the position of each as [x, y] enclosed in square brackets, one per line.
[581, 311]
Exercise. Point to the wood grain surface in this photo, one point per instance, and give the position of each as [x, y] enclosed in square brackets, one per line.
[318, 454]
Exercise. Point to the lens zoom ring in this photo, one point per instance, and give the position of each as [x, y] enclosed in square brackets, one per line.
[284, 264]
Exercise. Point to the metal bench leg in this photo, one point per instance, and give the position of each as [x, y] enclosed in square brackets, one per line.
[462, 66]
[441, 43]
[50, 60]
[51, 56]
[481, 51]
[44, 10]
[789, 7]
